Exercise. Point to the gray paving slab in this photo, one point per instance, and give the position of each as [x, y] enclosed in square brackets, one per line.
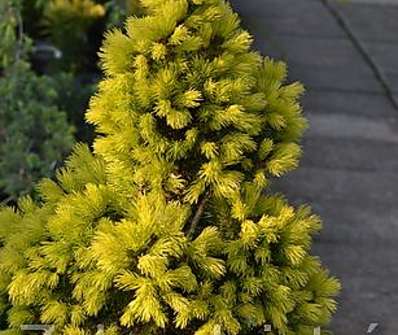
[288, 17]
[322, 52]
[329, 78]
[370, 21]
[346, 102]
[352, 127]
[321, 63]
[376, 28]
[283, 8]
[386, 57]
[355, 154]
[369, 287]
[361, 188]
[374, 2]
[355, 224]
[385, 54]
[393, 82]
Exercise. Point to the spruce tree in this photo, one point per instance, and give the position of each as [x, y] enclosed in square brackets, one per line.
[168, 227]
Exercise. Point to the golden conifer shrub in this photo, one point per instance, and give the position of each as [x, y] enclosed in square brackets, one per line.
[167, 227]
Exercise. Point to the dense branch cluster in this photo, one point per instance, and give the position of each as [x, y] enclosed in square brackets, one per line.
[167, 228]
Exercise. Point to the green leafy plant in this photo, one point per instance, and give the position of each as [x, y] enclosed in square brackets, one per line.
[34, 133]
[168, 226]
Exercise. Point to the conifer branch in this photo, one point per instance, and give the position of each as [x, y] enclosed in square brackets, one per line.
[198, 215]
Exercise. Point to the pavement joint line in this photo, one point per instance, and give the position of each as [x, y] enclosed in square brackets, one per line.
[379, 41]
[389, 118]
[339, 169]
[391, 3]
[310, 36]
[328, 167]
[378, 72]
[316, 36]
[322, 89]
[313, 36]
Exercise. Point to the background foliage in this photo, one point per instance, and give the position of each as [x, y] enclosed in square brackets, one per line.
[34, 132]
[48, 70]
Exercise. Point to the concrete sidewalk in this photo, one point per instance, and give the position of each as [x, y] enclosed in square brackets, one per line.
[346, 54]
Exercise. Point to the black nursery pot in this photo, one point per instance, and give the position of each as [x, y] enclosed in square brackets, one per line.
[45, 57]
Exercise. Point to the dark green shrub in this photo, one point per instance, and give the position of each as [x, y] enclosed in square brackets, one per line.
[34, 135]
[34, 132]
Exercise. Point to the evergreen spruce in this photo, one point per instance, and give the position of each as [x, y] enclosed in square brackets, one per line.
[167, 227]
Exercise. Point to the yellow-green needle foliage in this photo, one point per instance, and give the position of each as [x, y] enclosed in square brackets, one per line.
[167, 227]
